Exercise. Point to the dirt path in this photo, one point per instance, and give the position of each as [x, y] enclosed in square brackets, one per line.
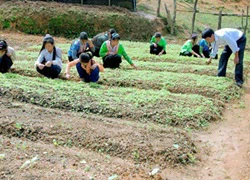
[229, 144]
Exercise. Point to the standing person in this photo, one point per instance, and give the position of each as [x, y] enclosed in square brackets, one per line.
[87, 68]
[7, 56]
[158, 44]
[190, 47]
[83, 44]
[101, 38]
[235, 42]
[112, 51]
[49, 62]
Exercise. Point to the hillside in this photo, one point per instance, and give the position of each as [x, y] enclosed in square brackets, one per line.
[68, 20]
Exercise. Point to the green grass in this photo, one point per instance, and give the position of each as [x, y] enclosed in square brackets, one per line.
[158, 106]
[169, 89]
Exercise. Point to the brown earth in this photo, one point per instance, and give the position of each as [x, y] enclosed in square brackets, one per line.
[226, 144]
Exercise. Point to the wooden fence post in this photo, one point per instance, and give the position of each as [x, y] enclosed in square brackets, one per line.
[220, 18]
[158, 8]
[169, 19]
[245, 30]
[194, 13]
[242, 18]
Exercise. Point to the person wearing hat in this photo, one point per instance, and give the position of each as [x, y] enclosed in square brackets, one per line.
[112, 51]
[101, 38]
[83, 44]
[49, 61]
[235, 42]
[7, 56]
[190, 47]
[87, 68]
[158, 44]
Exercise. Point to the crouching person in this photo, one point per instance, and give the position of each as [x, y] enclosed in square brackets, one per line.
[7, 56]
[49, 62]
[87, 68]
[158, 44]
[112, 51]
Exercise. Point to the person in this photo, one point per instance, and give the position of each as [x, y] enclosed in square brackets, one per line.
[235, 42]
[205, 49]
[158, 44]
[83, 44]
[112, 51]
[49, 61]
[87, 68]
[7, 56]
[101, 38]
[190, 47]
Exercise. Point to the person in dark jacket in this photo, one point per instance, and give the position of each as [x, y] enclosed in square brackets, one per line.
[101, 38]
[7, 56]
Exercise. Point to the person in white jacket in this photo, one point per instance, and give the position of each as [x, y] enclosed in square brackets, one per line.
[49, 62]
[235, 43]
[7, 56]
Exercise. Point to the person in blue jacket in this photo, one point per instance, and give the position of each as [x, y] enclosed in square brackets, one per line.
[83, 44]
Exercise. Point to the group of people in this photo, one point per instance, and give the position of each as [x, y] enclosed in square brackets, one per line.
[234, 41]
[80, 54]
[107, 46]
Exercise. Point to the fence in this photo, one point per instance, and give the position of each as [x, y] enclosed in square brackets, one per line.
[200, 19]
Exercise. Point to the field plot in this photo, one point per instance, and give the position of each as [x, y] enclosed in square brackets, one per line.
[123, 127]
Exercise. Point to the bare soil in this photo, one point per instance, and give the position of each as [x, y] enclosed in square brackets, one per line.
[225, 146]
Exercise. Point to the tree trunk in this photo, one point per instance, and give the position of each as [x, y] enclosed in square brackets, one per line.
[194, 14]
[159, 7]
[169, 19]
[245, 30]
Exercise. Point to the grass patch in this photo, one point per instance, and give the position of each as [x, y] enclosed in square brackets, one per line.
[159, 106]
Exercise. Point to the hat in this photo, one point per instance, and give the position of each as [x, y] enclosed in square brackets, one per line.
[207, 33]
[115, 36]
[194, 36]
[157, 34]
[48, 38]
[3, 45]
[83, 36]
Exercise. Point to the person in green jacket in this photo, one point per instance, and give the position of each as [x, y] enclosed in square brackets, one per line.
[112, 51]
[190, 47]
[158, 44]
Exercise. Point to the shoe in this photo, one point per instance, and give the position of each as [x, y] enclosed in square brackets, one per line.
[239, 84]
